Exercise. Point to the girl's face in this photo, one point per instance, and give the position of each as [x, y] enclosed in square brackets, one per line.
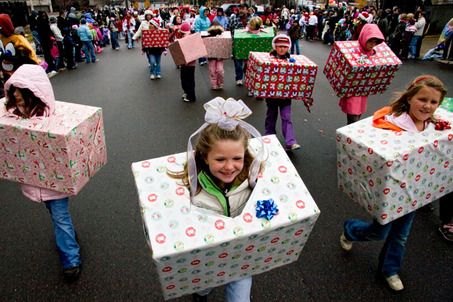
[148, 17]
[226, 160]
[371, 43]
[423, 104]
[178, 20]
[281, 50]
[20, 102]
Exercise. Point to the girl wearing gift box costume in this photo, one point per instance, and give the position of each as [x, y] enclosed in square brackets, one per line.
[153, 53]
[221, 172]
[411, 111]
[29, 94]
[281, 44]
[355, 106]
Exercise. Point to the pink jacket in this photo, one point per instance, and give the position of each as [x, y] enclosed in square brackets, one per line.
[356, 105]
[34, 78]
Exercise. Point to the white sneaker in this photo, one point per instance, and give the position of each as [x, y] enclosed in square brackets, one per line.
[239, 83]
[52, 74]
[152, 77]
[184, 95]
[345, 243]
[158, 76]
[395, 283]
[186, 100]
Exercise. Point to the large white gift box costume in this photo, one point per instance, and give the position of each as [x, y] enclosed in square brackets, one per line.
[393, 173]
[194, 249]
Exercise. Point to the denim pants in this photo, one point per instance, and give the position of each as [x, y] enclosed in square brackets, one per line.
[295, 47]
[239, 67]
[273, 106]
[413, 46]
[395, 234]
[236, 291]
[88, 50]
[68, 247]
[130, 42]
[114, 38]
[154, 63]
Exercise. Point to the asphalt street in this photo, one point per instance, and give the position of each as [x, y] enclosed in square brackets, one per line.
[146, 119]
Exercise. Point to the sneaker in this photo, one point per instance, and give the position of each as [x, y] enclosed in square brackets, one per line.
[394, 282]
[293, 147]
[72, 274]
[446, 231]
[52, 74]
[184, 95]
[220, 87]
[239, 83]
[152, 77]
[345, 243]
[97, 60]
[214, 88]
[158, 76]
[186, 100]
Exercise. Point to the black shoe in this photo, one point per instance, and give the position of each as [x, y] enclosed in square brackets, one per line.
[72, 274]
[197, 298]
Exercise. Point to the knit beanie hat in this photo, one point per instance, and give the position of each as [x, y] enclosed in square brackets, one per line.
[148, 12]
[281, 40]
[155, 22]
[6, 25]
[185, 28]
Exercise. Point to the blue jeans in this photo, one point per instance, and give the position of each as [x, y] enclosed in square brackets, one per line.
[295, 45]
[236, 291]
[239, 68]
[154, 64]
[114, 37]
[395, 234]
[67, 245]
[88, 50]
[413, 46]
[130, 42]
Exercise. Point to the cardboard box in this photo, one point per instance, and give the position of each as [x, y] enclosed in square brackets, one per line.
[351, 73]
[194, 248]
[219, 47]
[155, 38]
[268, 77]
[393, 173]
[59, 153]
[245, 42]
[188, 49]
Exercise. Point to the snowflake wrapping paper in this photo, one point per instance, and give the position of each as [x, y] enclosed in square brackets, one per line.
[244, 42]
[194, 248]
[219, 47]
[393, 173]
[155, 38]
[60, 153]
[268, 77]
[351, 73]
[188, 49]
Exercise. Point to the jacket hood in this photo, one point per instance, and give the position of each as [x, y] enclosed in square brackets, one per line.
[7, 27]
[202, 9]
[369, 31]
[34, 78]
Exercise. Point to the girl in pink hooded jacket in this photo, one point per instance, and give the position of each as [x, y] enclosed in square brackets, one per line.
[355, 106]
[29, 94]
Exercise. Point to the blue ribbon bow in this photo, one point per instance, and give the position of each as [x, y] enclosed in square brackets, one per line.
[266, 209]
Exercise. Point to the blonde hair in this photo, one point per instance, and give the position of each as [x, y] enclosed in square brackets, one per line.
[208, 137]
[255, 23]
[401, 103]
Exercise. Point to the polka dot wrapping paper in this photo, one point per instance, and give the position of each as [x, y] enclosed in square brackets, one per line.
[195, 249]
[351, 73]
[60, 153]
[268, 77]
[393, 173]
[155, 38]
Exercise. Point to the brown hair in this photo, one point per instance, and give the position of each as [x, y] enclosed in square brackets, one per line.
[206, 140]
[33, 105]
[401, 103]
